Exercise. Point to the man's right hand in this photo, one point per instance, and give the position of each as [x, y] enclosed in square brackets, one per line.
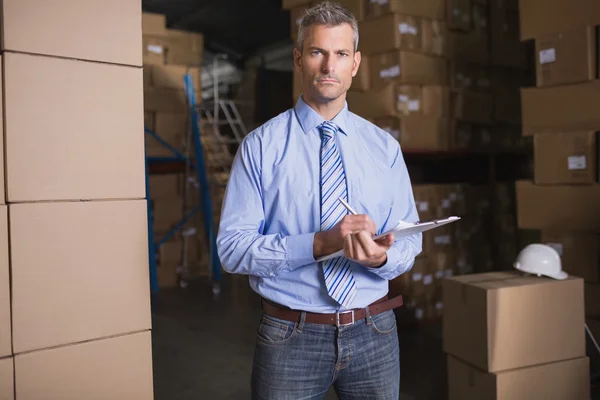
[330, 241]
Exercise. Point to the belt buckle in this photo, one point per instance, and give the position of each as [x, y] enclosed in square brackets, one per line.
[337, 318]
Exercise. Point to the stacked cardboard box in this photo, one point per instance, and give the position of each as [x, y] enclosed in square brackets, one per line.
[168, 55]
[560, 114]
[438, 75]
[74, 217]
[509, 336]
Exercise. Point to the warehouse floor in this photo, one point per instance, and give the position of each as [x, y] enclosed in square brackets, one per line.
[203, 346]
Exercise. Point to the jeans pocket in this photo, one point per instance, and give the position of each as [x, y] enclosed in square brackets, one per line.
[384, 323]
[275, 331]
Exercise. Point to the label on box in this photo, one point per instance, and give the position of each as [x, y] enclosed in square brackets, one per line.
[417, 276]
[558, 247]
[439, 274]
[442, 239]
[453, 196]
[448, 273]
[154, 48]
[413, 105]
[446, 203]
[402, 98]
[407, 29]
[423, 206]
[428, 279]
[439, 305]
[380, 2]
[390, 72]
[576, 162]
[547, 56]
[419, 313]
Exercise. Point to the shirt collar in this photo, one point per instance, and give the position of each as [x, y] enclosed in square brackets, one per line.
[309, 119]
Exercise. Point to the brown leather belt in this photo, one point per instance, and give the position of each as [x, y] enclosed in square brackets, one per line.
[338, 319]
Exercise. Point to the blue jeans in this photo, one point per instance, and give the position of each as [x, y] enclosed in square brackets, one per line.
[297, 360]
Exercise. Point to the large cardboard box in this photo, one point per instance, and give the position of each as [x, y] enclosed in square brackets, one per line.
[567, 57]
[389, 124]
[573, 207]
[423, 133]
[471, 106]
[390, 32]
[5, 319]
[60, 291]
[73, 129]
[185, 48]
[171, 76]
[97, 30]
[567, 379]
[390, 100]
[557, 16]
[115, 368]
[434, 9]
[561, 108]
[500, 321]
[579, 252]
[407, 68]
[468, 48]
[154, 24]
[566, 158]
[166, 100]
[155, 49]
[458, 14]
[436, 101]
[435, 37]
[7, 379]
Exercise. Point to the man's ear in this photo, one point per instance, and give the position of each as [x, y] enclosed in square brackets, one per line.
[357, 60]
[297, 60]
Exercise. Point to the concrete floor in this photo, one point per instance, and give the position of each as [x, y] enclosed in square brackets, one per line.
[203, 346]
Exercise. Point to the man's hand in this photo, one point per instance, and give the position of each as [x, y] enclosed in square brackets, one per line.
[361, 248]
[330, 241]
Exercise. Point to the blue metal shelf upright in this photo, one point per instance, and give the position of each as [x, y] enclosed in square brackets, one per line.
[177, 162]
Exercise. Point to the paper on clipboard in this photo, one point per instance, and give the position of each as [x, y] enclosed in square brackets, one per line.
[403, 229]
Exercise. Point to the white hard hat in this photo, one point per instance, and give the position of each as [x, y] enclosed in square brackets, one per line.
[540, 259]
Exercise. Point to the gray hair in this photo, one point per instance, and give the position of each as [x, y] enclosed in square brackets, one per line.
[328, 14]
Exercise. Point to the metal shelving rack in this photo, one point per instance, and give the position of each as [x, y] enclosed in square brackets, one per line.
[194, 168]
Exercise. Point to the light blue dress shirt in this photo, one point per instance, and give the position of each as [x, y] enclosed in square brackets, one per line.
[271, 208]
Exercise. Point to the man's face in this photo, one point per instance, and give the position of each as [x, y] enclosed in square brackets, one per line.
[327, 62]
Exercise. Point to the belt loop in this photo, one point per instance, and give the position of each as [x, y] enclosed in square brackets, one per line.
[368, 315]
[300, 324]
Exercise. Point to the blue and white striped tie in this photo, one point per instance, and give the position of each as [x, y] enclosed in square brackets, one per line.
[338, 275]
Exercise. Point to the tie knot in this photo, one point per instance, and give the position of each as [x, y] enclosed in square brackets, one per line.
[328, 129]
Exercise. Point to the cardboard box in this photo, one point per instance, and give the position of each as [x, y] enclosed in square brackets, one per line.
[155, 50]
[171, 76]
[572, 207]
[390, 32]
[96, 30]
[409, 99]
[506, 50]
[458, 14]
[561, 108]
[389, 124]
[568, 57]
[500, 321]
[171, 126]
[422, 133]
[165, 100]
[480, 19]
[558, 16]
[469, 76]
[566, 158]
[471, 106]
[85, 141]
[154, 24]
[435, 37]
[356, 7]
[58, 294]
[579, 252]
[567, 379]
[468, 48]
[7, 379]
[434, 9]
[424, 198]
[407, 68]
[115, 368]
[5, 318]
[507, 107]
[185, 48]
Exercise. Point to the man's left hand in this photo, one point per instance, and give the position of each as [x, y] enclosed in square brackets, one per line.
[361, 248]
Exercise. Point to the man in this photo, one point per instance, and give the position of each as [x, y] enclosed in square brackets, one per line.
[324, 323]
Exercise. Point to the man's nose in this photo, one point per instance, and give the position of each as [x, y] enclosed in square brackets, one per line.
[328, 64]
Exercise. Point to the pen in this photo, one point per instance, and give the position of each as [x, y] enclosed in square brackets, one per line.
[347, 206]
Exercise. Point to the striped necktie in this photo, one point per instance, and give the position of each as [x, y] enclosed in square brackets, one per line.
[338, 274]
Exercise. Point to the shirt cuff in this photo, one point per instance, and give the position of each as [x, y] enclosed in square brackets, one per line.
[300, 250]
[389, 270]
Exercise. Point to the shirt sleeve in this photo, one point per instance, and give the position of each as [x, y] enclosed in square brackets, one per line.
[401, 256]
[241, 246]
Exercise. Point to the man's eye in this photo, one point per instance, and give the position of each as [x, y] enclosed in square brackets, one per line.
[343, 54]
[315, 52]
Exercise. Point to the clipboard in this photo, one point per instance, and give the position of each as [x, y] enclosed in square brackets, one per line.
[403, 229]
